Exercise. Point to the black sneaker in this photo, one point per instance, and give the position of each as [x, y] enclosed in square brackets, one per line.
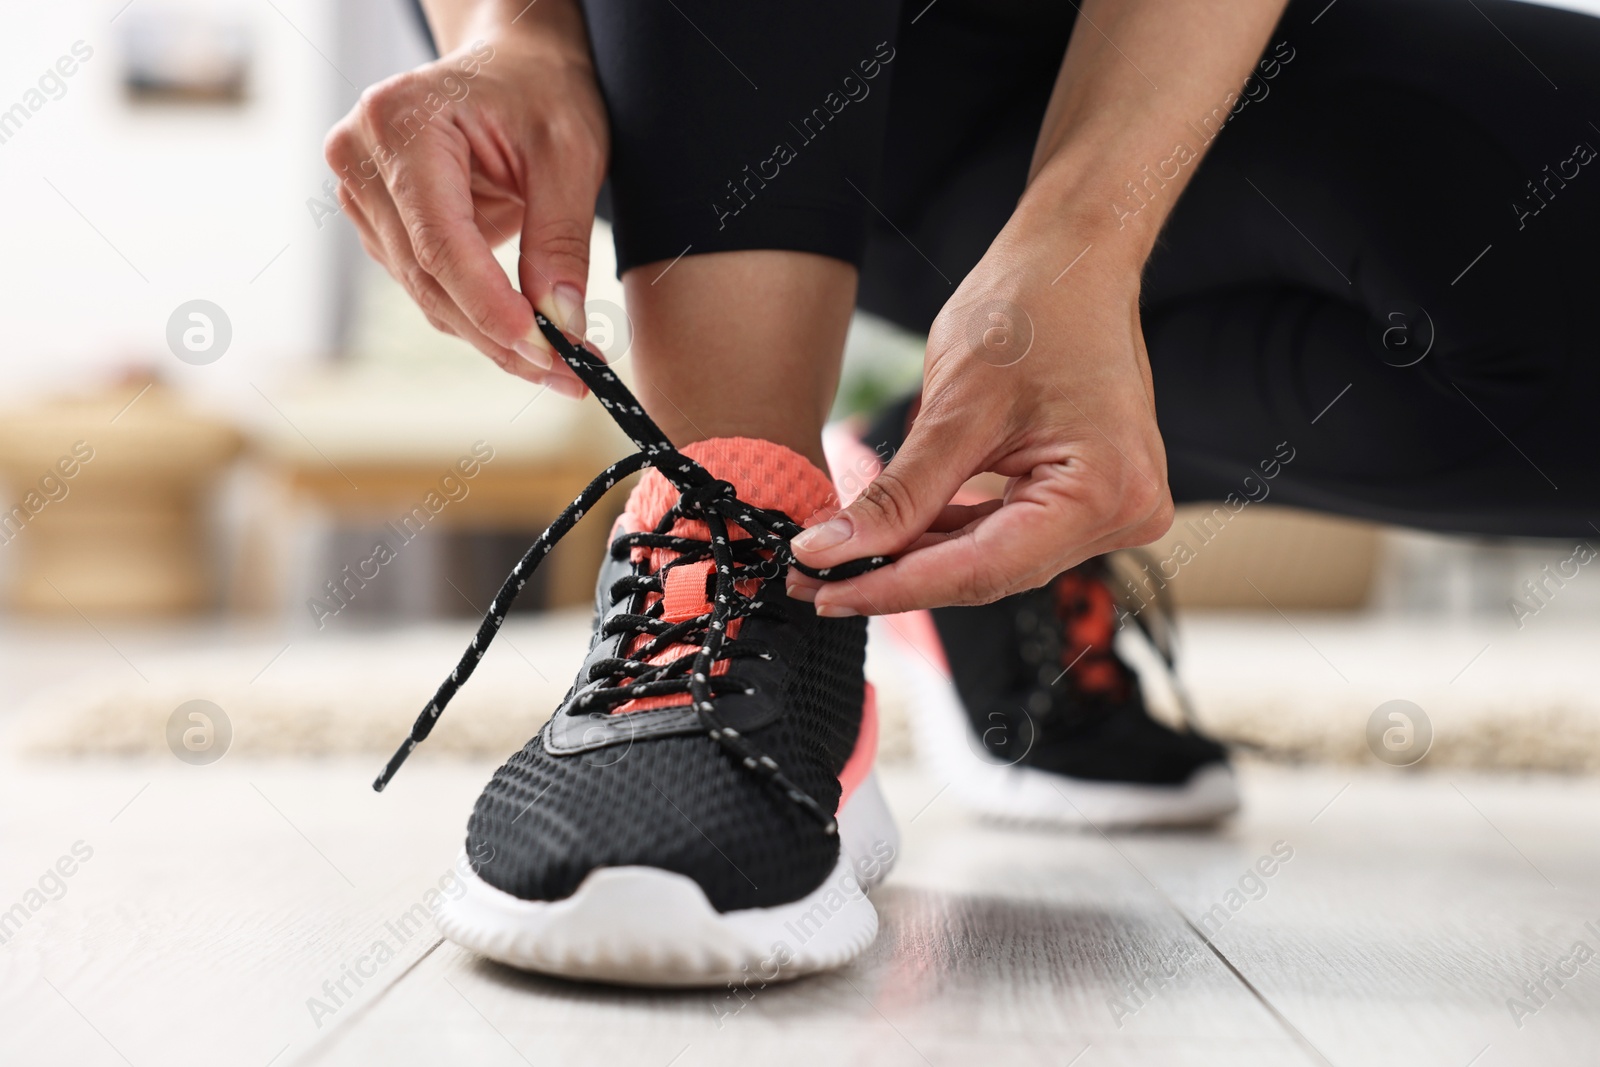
[1024, 706]
[702, 806]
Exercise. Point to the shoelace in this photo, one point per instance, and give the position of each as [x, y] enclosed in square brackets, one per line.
[1071, 624]
[1156, 623]
[712, 500]
[632, 675]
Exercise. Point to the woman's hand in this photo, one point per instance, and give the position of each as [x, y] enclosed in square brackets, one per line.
[504, 137]
[1033, 374]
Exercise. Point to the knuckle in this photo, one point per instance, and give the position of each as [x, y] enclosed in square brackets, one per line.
[434, 251]
[338, 147]
[1160, 521]
[384, 99]
[480, 311]
[1103, 498]
[889, 500]
[573, 140]
[1136, 501]
[564, 239]
[502, 360]
[426, 295]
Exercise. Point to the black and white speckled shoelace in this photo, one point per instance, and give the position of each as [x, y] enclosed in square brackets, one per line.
[711, 499]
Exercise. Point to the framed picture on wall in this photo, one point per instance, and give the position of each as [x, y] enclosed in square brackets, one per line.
[179, 55]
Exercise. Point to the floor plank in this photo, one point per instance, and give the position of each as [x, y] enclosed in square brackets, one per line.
[1413, 907]
[216, 902]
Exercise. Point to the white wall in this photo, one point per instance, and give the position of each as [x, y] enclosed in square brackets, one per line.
[198, 199]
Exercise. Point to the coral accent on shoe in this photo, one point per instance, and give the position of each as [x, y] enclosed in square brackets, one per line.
[766, 475]
[859, 765]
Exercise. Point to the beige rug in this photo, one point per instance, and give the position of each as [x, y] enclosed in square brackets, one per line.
[332, 694]
[1302, 688]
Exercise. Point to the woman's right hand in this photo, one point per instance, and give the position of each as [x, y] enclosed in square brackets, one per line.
[504, 137]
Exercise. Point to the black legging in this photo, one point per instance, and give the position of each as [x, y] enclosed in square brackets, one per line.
[1406, 176]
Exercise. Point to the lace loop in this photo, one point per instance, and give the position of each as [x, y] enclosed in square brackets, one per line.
[712, 500]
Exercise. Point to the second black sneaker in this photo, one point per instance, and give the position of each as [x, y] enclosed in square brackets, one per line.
[1025, 708]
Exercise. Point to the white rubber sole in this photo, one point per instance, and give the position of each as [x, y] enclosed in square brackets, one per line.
[1018, 794]
[649, 927]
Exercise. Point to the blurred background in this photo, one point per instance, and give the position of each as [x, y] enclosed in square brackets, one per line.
[236, 464]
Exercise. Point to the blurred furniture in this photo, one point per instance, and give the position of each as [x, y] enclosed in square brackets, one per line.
[365, 445]
[362, 442]
[1264, 557]
[106, 501]
[519, 495]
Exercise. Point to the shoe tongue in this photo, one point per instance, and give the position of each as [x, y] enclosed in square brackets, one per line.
[764, 474]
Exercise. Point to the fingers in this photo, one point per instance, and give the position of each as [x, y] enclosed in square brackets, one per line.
[385, 240]
[1053, 519]
[901, 503]
[553, 268]
[997, 556]
[428, 183]
[416, 215]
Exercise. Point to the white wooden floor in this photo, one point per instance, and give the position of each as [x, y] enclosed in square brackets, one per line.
[219, 899]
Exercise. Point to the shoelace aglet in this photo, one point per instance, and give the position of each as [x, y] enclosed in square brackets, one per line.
[393, 765]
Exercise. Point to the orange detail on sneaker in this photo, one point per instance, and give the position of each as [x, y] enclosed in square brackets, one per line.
[766, 475]
[685, 594]
[1089, 612]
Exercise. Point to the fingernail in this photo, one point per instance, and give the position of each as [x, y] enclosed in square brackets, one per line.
[567, 387]
[569, 309]
[801, 591]
[836, 611]
[836, 531]
[539, 357]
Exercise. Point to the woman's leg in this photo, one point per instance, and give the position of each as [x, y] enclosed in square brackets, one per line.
[741, 344]
[745, 141]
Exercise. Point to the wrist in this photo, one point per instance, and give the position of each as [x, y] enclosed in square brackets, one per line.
[553, 29]
[1117, 215]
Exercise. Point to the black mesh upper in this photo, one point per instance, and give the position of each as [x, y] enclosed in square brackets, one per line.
[681, 803]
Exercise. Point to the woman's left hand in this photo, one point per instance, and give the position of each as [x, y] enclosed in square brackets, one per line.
[1034, 372]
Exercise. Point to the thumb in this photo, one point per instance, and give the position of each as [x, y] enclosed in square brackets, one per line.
[554, 265]
[897, 507]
